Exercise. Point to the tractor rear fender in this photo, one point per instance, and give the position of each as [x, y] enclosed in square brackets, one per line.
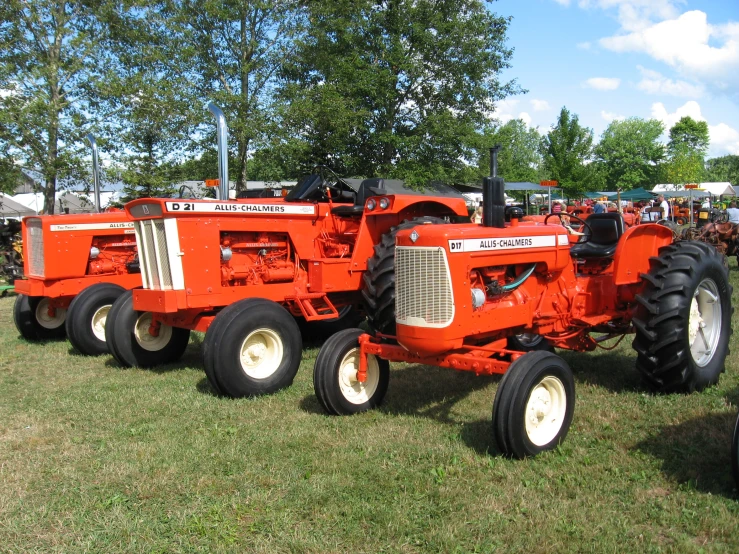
[636, 246]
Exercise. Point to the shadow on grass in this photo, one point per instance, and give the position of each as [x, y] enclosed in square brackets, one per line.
[696, 453]
[614, 371]
[204, 387]
[191, 359]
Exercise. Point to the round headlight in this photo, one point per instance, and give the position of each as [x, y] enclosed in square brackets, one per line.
[94, 252]
[371, 204]
[384, 203]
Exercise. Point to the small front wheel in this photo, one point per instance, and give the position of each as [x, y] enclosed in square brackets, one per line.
[87, 315]
[36, 319]
[130, 340]
[335, 377]
[534, 405]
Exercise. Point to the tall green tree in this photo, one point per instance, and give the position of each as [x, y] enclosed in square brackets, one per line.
[566, 150]
[689, 141]
[629, 153]
[396, 88]
[723, 169]
[519, 158]
[49, 62]
[231, 52]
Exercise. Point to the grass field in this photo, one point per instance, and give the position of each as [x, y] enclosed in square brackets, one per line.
[94, 457]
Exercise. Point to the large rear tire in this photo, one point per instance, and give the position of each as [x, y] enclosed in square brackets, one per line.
[379, 279]
[87, 315]
[534, 405]
[128, 338]
[683, 318]
[335, 376]
[252, 347]
[32, 319]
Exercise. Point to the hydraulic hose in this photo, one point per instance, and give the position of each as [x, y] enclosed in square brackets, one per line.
[518, 281]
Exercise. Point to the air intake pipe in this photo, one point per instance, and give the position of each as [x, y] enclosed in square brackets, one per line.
[493, 195]
[95, 171]
[222, 134]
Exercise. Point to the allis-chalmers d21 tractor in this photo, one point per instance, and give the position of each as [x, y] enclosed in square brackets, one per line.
[76, 266]
[461, 290]
[247, 273]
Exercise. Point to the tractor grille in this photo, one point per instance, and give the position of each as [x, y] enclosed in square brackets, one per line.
[35, 250]
[423, 287]
[151, 243]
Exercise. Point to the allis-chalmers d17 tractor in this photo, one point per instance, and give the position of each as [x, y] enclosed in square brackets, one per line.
[462, 290]
[76, 266]
[249, 273]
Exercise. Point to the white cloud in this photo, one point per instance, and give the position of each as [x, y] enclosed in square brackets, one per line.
[526, 118]
[610, 116]
[724, 139]
[654, 82]
[602, 83]
[539, 105]
[563, 2]
[634, 15]
[508, 109]
[584, 45]
[686, 43]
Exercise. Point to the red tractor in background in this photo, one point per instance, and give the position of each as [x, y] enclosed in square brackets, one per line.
[75, 267]
[251, 275]
[462, 290]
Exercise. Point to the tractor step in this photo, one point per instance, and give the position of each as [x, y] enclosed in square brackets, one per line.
[314, 306]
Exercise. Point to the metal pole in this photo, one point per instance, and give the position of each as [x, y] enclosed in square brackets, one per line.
[95, 171]
[222, 134]
[690, 203]
[550, 199]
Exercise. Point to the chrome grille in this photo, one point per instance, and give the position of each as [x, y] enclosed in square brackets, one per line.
[423, 287]
[35, 250]
[151, 242]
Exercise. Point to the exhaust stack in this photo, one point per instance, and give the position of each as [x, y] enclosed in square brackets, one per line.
[493, 194]
[95, 171]
[222, 134]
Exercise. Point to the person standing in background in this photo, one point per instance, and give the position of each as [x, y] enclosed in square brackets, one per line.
[665, 206]
[733, 212]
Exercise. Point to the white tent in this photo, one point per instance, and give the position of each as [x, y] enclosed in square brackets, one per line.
[715, 189]
[64, 199]
[10, 208]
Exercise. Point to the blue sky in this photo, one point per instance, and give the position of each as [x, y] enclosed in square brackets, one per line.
[610, 59]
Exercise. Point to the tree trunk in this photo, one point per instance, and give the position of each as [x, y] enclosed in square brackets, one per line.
[50, 169]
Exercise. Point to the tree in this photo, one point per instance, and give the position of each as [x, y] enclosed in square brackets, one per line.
[689, 140]
[689, 135]
[50, 61]
[629, 153]
[520, 155]
[396, 88]
[723, 169]
[232, 52]
[566, 149]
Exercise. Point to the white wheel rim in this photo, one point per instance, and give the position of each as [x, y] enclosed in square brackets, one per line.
[261, 353]
[98, 322]
[704, 324]
[351, 389]
[529, 340]
[545, 411]
[146, 340]
[45, 320]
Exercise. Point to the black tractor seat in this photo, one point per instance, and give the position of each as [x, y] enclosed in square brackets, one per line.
[368, 187]
[606, 230]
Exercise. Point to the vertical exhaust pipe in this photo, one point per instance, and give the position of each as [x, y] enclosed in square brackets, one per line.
[222, 134]
[95, 171]
[493, 194]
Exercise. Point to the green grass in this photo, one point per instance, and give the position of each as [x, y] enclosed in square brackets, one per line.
[98, 458]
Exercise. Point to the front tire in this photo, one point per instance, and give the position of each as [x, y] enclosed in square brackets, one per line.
[683, 318]
[32, 319]
[335, 376]
[534, 405]
[87, 315]
[128, 338]
[252, 347]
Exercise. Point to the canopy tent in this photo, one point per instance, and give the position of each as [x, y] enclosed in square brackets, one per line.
[714, 189]
[10, 208]
[633, 194]
[595, 195]
[64, 199]
[685, 193]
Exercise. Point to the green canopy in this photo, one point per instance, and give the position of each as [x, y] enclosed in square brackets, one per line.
[633, 194]
[595, 195]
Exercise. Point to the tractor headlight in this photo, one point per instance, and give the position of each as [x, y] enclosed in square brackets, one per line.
[478, 298]
[384, 203]
[371, 204]
[94, 252]
[226, 253]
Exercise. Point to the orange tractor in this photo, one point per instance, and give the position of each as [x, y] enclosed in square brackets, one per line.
[251, 274]
[75, 267]
[462, 290]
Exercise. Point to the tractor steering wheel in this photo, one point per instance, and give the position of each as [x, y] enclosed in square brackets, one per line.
[333, 184]
[584, 237]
